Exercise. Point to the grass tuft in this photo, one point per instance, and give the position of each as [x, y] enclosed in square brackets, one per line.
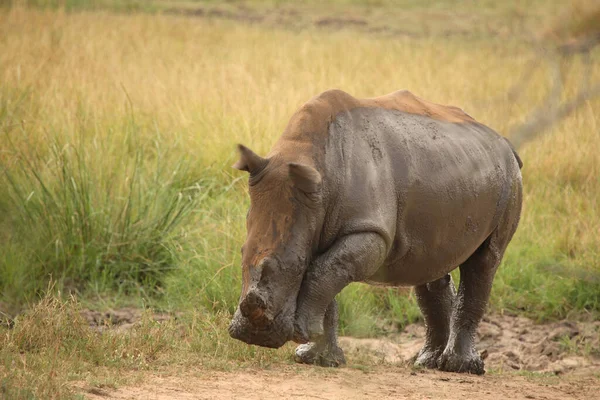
[51, 349]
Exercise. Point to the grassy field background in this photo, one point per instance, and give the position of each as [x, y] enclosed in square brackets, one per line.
[118, 127]
[118, 132]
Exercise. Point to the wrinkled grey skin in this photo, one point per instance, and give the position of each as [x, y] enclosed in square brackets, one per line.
[387, 198]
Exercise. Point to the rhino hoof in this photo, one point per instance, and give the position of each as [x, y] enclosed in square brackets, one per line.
[453, 362]
[427, 359]
[324, 356]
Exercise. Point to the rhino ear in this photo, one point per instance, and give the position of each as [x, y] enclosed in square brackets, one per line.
[249, 161]
[304, 177]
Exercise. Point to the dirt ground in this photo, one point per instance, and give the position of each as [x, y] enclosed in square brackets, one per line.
[523, 360]
[348, 383]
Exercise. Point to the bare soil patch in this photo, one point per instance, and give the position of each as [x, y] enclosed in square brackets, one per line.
[390, 21]
[507, 343]
[120, 319]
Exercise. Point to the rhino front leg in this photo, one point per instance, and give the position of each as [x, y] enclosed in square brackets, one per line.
[435, 301]
[352, 258]
[324, 352]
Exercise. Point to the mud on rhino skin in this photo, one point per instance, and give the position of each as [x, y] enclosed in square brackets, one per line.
[392, 190]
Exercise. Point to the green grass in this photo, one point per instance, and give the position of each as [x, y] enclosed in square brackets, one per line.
[89, 228]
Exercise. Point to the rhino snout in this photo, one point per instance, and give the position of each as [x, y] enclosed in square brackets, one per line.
[254, 308]
[273, 335]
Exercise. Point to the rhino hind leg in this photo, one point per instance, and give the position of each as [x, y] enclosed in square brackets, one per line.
[435, 300]
[325, 351]
[476, 276]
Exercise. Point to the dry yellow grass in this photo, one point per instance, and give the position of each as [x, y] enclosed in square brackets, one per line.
[232, 81]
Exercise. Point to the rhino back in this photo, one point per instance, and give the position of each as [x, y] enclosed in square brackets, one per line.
[433, 189]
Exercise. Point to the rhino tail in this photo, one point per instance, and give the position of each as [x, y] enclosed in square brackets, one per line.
[515, 153]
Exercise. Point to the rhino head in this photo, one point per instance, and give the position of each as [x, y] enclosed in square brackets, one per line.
[281, 235]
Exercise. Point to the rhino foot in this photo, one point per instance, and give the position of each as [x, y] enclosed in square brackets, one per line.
[428, 358]
[316, 354]
[470, 363]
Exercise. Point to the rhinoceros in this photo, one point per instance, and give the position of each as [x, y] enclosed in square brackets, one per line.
[391, 190]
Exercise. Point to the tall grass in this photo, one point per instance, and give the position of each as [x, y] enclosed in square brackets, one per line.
[117, 133]
[93, 223]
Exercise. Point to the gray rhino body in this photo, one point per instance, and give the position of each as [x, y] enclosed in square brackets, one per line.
[390, 191]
